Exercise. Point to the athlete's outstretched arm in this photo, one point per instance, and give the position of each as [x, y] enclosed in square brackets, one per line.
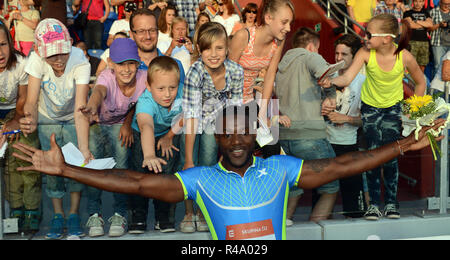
[316, 173]
[159, 186]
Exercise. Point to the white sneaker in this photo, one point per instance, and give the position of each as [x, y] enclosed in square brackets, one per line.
[289, 222]
[118, 225]
[187, 225]
[201, 223]
[95, 224]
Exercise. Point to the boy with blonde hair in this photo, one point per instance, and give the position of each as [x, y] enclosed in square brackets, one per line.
[158, 113]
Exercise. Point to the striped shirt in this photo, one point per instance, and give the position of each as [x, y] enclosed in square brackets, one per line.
[202, 100]
[186, 9]
[253, 64]
[437, 18]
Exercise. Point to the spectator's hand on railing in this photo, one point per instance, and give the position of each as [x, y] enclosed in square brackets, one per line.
[126, 135]
[285, 121]
[166, 146]
[27, 124]
[153, 163]
[90, 112]
[10, 126]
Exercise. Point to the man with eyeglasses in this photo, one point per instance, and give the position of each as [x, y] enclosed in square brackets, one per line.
[144, 31]
[440, 32]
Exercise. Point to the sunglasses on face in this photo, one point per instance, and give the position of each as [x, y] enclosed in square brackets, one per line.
[370, 35]
[253, 11]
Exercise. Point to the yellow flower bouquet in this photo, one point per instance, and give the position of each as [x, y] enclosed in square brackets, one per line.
[419, 111]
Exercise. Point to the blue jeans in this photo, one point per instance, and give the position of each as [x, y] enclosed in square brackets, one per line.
[310, 150]
[205, 150]
[382, 126]
[438, 53]
[164, 212]
[64, 132]
[104, 142]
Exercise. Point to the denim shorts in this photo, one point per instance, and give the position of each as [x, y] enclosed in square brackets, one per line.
[64, 132]
[310, 150]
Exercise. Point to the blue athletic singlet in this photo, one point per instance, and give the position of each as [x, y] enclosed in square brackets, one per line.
[249, 207]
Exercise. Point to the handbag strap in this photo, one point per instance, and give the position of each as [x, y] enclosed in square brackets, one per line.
[89, 6]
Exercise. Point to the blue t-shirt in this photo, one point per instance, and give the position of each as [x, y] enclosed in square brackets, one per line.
[249, 207]
[162, 117]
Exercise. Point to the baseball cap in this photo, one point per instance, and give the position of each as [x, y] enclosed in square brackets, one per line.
[123, 49]
[52, 37]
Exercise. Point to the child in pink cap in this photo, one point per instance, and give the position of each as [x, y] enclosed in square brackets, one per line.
[57, 84]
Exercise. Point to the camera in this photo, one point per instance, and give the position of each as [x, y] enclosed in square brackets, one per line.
[182, 40]
[130, 7]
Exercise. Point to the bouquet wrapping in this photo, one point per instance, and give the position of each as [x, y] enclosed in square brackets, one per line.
[420, 111]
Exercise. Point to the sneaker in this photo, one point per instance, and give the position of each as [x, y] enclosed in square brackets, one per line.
[95, 224]
[74, 225]
[373, 213]
[201, 223]
[289, 222]
[118, 225]
[137, 228]
[19, 214]
[391, 212]
[32, 221]
[187, 225]
[138, 224]
[56, 227]
[164, 228]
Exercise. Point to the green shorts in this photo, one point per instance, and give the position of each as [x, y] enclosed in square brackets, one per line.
[421, 51]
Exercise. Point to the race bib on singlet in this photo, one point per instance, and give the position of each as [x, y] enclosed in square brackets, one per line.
[260, 230]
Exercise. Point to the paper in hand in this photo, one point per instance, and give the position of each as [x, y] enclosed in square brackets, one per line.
[74, 157]
[333, 68]
[263, 135]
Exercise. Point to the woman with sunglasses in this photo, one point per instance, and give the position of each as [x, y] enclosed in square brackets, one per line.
[227, 15]
[248, 18]
[380, 95]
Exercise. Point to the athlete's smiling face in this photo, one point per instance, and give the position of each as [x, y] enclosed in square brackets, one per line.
[236, 143]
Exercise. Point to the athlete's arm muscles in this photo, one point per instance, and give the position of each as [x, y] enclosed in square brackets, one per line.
[163, 187]
[316, 173]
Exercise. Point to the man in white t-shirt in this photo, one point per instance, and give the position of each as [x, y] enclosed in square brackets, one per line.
[343, 123]
[122, 25]
[57, 84]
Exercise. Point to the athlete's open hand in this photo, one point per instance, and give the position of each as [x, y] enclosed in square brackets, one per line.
[50, 162]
